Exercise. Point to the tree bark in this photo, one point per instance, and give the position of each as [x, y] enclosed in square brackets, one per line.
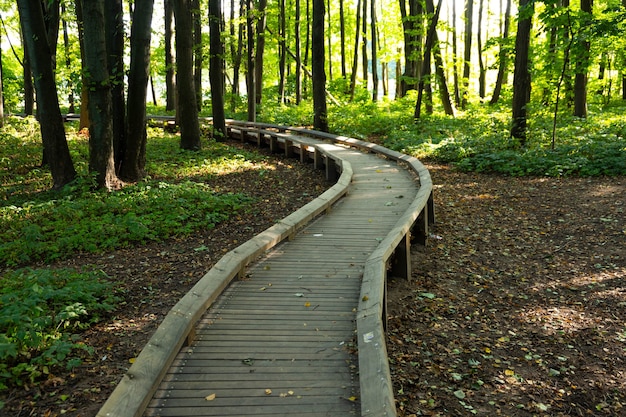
[170, 73]
[114, 32]
[502, 56]
[29, 88]
[95, 67]
[521, 77]
[467, 56]
[134, 162]
[50, 120]
[259, 55]
[197, 50]
[374, 50]
[430, 39]
[412, 44]
[216, 63]
[298, 54]
[355, 59]
[250, 77]
[582, 63]
[455, 59]
[482, 71]
[320, 113]
[187, 106]
[342, 34]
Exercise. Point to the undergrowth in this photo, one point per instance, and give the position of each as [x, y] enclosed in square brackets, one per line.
[41, 313]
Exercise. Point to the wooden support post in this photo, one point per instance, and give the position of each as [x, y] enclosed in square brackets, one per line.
[331, 169]
[318, 159]
[420, 227]
[274, 144]
[401, 265]
[289, 148]
[431, 209]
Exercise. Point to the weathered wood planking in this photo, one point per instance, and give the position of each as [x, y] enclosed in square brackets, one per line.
[391, 233]
[308, 288]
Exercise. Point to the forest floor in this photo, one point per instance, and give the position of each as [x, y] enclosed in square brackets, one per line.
[517, 306]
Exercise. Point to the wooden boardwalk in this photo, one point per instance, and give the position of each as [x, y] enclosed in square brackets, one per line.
[281, 339]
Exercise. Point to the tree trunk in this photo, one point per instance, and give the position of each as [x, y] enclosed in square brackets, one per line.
[250, 77]
[98, 82]
[342, 34]
[170, 73]
[374, 51]
[134, 162]
[430, 39]
[187, 106]
[482, 71]
[68, 64]
[364, 61]
[298, 54]
[52, 17]
[50, 120]
[582, 62]
[216, 63]
[355, 59]
[282, 52]
[259, 55]
[412, 44]
[320, 113]
[521, 77]
[114, 35]
[29, 89]
[467, 56]
[502, 56]
[197, 50]
[455, 59]
[330, 45]
[84, 96]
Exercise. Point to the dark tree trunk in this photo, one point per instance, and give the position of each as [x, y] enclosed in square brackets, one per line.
[114, 29]
[430, 39]
[216, 63]
[342, 34]
[355, 59]
[99, 84]
[29, 88]
[412, 44]
[467, 55]
[134, 162]
[521, 77]
[502, 56]
[330, 45]
[50, 119]
[187, 107]
[170, 73]
[197, 51]
[52, 17]
[260, 51]
[455, 59]
[374, 50]
[482, 71]
[320, 113]
[298, 57]
[250, 76]
[84, 96]
[582, 63]
[444, 93]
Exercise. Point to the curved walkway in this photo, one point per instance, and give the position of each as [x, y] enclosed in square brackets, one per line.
[282, 339]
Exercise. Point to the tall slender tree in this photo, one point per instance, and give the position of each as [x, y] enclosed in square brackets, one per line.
[170, 73]
[133, 165]
[582, 60]
[502, 55]
[320, 112]
[49, 113]
[187, 108]
[196, 18]
[250, 76]
[521, 76]
[467, 54]
[216, 63]
[96, 69]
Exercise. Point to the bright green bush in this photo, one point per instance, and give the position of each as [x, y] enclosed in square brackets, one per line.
[41, 314]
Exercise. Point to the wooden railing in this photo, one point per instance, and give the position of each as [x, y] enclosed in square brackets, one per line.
[135, 390]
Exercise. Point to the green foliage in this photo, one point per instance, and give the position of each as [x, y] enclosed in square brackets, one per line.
[172, 201]
[41, 312]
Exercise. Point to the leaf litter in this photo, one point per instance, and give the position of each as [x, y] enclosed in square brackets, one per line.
[528, 317]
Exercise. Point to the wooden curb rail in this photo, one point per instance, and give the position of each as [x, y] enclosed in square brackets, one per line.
[135, 390]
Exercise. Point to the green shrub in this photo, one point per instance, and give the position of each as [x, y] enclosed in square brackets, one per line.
[41, 312]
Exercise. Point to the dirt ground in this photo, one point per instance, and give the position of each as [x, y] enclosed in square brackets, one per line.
[516, 307]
